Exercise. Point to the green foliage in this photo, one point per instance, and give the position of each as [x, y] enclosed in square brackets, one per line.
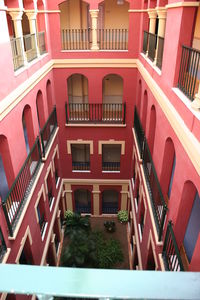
[68, 214]
[88, 248]
[110, 226]
[123, 216]
[77, 223]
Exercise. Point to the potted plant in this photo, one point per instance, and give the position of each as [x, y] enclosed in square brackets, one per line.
[123, 216]
[110, 226]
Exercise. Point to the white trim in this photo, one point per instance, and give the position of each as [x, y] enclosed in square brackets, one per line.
[44, 232]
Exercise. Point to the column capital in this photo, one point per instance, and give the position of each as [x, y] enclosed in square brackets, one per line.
[16, 15]
[31, 14]
[152, 13]
[94, 13]
[162, 12]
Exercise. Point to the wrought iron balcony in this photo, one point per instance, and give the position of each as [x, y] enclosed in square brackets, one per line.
[76, 39]
[153, 45]
[158, 204]
[171, 255]
[84, 209]
[138, 131]
[80, 166]
[17, 53]
[111, 166]
[14, 202]
[30, 46]
[113, 39]
[95, 113]
[48, 130]
[189, 72]
[41, 42]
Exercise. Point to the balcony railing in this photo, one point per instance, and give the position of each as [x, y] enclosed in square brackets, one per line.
[189, 73]
[159, 206]
[84, 209]
[113, 39]
[157, 200]
[30, 46]
[110, 166]
[138, 131]
[152, 46]
[48, 130]
[109, 207]
[75, 39]
[145, 42]
[17, 53]
[3, 247]
[41, 42]
[171, 254]
[96, 113]
[81, 166]
[18, 193]
[160, 48]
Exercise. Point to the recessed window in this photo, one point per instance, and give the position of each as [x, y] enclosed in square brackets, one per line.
[80, 157]
[111, 155]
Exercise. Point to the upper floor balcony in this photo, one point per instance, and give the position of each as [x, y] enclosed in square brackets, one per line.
[158, 204]
[14, 202]
[85, 29]
[153, 46]
[189, 72]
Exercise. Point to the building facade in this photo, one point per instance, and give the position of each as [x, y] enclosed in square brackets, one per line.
[100, 112]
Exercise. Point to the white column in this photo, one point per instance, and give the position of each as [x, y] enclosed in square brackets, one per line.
[17, 22]
[33, 28]
[94, 17]
[162, 15]
[152, 23]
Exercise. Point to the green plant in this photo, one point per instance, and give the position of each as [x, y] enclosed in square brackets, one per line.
[110, 254]
[77, 223]
[110, 226]
[68, 214]
[123, 216]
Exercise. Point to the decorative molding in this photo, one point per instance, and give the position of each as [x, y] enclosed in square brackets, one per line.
[111, 142]
[48, 11]
[137, 10]
[23, 241]
[79, 141]
[183, 4]
[41, 192]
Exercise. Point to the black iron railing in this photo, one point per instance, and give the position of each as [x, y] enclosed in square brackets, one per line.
[50, 197]
[189, 73]
[3, 247]
[81, 166]
[171, 255]
[159, 206]
[19, 191]
[17, 53]
[84, 209]
[109, 207]
[160, 48]
[145, 42]
[76, 39]
[41, 42]
[152, 46]
[138, 131]
[110, 166]
[30, 46]
[113, 39]
[95, 113]
[48, 130]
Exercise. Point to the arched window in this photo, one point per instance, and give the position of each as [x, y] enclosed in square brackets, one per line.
[6, 170]
[168, 168]
[77, 87]
[49, 96]
[112, 89]
[27, 124]
[187, 225]
[110, 202]
[82, 199]
[139, 97]
[40, 109]
[144, 112]
[152, 128]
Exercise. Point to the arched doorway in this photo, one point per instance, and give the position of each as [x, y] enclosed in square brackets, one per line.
[82, 199]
